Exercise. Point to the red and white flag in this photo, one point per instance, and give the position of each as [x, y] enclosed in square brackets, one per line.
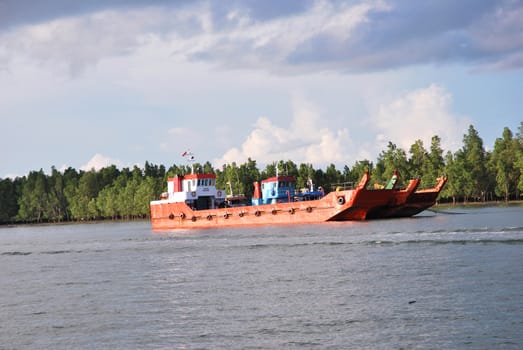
[188, 154]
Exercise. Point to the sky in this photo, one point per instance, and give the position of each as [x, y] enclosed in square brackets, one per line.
[87, 84]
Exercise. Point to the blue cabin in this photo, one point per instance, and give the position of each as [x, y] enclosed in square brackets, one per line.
[277, 189]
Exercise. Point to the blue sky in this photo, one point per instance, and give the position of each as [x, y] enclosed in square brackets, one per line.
[88, 84]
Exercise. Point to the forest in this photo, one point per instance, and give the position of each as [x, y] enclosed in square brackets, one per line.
[475, 175]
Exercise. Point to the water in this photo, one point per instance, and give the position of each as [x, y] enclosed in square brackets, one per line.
[444, 281]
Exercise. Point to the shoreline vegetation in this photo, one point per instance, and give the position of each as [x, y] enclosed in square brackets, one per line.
[476, 177]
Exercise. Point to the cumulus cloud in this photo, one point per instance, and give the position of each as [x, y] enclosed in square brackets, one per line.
[305, 140]
[99, 161]
[419, 115]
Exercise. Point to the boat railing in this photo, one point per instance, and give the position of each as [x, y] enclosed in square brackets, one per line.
[342, 186]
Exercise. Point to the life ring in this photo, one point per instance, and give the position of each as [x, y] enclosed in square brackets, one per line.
[209, 217]
[257, 213]
[182, 215]
[291, 211]
[225, 216]
[341, 200]
[193, 193]
[309, 209]
[171, 216]
[219, 193]
[274, 211]
[241, 214]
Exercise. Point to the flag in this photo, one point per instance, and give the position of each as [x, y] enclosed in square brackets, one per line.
[189, 154]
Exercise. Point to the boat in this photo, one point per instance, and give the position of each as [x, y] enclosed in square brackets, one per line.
[417, 201]
[193, 201]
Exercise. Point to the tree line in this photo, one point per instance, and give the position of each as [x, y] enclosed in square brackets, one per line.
[111, 193]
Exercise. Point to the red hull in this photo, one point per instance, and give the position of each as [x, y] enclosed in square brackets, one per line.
[420, 200]
[356, 204]
[165, 215]
[395, 204]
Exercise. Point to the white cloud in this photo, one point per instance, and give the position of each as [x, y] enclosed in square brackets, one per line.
[99, 161]
[305, 140]
[328, 35]
[189, 32]
[420, 114]
[83, 41]
[273, 43]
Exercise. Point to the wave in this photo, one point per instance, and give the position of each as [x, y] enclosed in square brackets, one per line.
[386, 242]
[515, 241]
[53, 252]
[468, 230]
[293, 245]
[16, 253]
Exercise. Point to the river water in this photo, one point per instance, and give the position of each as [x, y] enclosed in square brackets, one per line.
[452, 280]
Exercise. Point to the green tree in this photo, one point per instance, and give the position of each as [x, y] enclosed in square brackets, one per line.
[247, 174]
[332, 176]
[107, 202]
[305, 172]
[34, 199]
[418, 158]
[229, 179]
[154, 171]
[106, 176]
[129, 205]
[8, 200]
[393, 158]
[145, 193]
[459, 182]
[474, 157]
[57, 209]
[269, 171]
[503, 162]
[359, 169]
[80, 197]
[434, 166]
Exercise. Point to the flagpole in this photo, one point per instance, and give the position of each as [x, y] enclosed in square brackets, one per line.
[190, 159]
